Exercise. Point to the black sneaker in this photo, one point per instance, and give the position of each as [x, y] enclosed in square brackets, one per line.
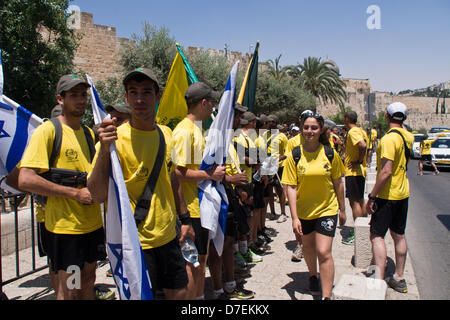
[399, 286]
[241, 294]
[314, 286]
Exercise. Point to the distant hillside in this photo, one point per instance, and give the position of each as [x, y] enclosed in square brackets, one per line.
[434, 90]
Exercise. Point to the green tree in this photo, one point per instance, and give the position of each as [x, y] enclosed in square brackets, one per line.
[37, 49]
[322, 81]
[154, 49]
[284, 97]
[275, 69]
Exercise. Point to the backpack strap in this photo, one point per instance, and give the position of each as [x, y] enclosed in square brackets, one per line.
[407, 150]
[297, 154]
[56, 142]
[144, 201]
[329, 152]
[90, 142]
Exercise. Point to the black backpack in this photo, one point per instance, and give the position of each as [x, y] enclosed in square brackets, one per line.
[297, 153]
[407, 150]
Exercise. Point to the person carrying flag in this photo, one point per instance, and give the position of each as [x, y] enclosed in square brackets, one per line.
[188, 146]
[75, 234]
[137, 143]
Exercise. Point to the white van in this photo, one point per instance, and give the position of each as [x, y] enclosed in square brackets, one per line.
[440, 152]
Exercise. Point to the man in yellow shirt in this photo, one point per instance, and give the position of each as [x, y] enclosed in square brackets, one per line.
[425, 154]
[75, 229]
[388, 200]
[137, 143]
[355, 168]
[187, 155]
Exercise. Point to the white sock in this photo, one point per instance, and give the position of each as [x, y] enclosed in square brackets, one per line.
[243, 248]
[202, 297]
[218, 292]
[236, 247]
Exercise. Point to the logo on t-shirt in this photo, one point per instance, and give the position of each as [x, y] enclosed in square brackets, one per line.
[71, 155]
[328, 224]
[142, 173]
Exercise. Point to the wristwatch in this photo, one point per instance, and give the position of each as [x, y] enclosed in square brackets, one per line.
[185, 218]
[371, 197]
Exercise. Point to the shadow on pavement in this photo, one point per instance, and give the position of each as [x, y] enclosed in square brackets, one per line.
[300, 284]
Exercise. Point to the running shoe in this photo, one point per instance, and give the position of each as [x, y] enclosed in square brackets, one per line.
[282, 218]
[314, 286]
[240, 260]
[297, 255]
[399, 286]
[350, 240]
[241, 294]
[250, 256]
[104, 294]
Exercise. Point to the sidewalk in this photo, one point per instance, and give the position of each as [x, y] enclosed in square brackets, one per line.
[275, 278]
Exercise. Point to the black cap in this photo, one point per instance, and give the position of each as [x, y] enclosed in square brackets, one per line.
[198, 91]
[141, 71]
[68, 82]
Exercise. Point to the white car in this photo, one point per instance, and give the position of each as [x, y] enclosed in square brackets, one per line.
[440, 152]
[416, 145]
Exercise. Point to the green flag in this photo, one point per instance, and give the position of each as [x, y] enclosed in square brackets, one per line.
[248, 90]
[443, 107]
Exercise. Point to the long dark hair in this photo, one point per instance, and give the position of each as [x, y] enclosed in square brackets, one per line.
[323, 139]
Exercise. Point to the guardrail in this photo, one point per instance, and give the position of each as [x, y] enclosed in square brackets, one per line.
[14, 203]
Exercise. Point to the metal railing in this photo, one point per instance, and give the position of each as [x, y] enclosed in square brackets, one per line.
[14, 202]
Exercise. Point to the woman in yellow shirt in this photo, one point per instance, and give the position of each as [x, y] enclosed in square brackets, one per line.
[316, 194]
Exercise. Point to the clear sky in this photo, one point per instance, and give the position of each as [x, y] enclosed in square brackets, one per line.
[411, 49]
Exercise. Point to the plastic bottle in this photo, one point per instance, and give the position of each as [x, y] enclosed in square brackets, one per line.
[189, 251]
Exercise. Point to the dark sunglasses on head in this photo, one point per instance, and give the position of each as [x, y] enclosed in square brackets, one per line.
[316, 116]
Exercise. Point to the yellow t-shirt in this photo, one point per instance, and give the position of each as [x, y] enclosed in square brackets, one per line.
[374, 135]
[313, 177]
[244, 141]
[63, 215]
[293, 142]
[354, 136]
[277, 145]
[188, 145]
[426, 147]
[137, 150]
[391, 147]
[231, 161]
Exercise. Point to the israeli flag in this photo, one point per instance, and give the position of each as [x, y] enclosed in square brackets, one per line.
[17, 125]
[123, 245]
[212, 196]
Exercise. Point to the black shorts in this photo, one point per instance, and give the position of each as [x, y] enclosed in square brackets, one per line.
[42, 239]
[426, 157]
[166, 266]
[66, 250]
[268, 190]
[231, 228]
[326, 226]
[389, 214]
[201, 236]
[354, 187]
[258, 195]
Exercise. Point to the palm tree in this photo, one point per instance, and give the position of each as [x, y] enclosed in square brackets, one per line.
[322, 80]
[275, 69]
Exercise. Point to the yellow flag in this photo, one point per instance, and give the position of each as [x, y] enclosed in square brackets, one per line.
[172, 107]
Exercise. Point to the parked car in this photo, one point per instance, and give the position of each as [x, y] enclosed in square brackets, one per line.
[416, 145]
[440, 152]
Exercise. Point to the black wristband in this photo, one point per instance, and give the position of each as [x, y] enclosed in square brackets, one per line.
[185, 218]
[371, 197]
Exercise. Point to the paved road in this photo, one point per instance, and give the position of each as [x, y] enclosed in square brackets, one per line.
[428, 231]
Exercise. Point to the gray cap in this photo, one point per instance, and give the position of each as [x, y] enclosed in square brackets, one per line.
[120, 107]
[247, 117]
[239, 107]
[273, 118]
[56, 111]
[68, 82]
[198, 91]
[263, 117]
[141, 71]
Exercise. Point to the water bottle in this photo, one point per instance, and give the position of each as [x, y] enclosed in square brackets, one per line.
[189, 252]
[257, 176]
